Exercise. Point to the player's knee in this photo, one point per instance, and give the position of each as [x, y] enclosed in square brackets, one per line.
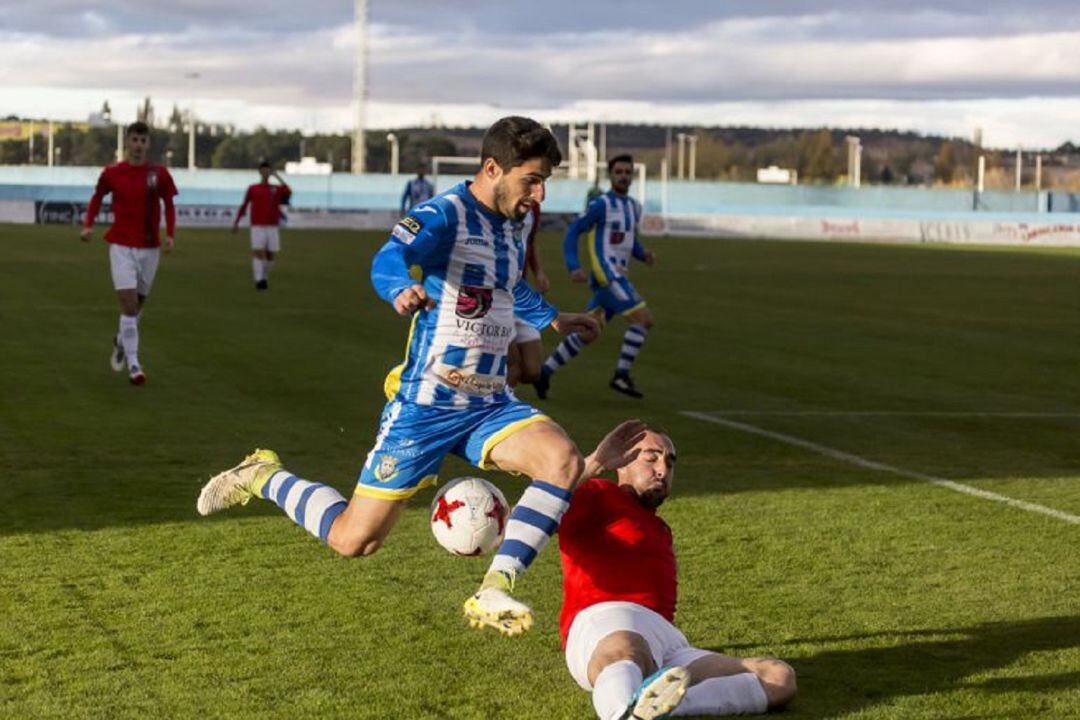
[778, 680]
[564, 466]
[620, 646]
[354, 545]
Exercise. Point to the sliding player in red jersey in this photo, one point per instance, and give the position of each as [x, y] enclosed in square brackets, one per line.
[266, 201]
[138, 190]
[620, 592]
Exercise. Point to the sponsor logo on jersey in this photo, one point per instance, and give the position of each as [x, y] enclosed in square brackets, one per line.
[473, 384]
[473, 302]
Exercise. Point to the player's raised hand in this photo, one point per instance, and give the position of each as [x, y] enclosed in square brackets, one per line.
[167, 246]
[235, 229]
[583, 324]
[86, 234]
[617, 449]
[412, 299]
[578, 276]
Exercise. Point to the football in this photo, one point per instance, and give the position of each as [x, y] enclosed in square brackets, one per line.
[468, 516]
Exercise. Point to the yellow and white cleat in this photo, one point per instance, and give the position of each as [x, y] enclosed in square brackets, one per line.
[237, 485]
[659, 694]
[494, 607]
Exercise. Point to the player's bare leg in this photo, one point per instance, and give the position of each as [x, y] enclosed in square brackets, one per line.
[524, 363]
[542, 451]
[362, 528]
[627, 683]
[641, 320]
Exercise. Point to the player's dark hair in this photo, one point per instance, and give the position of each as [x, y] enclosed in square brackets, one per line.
[137, 128]
[264, 163]
[514, 140]
[624, 158]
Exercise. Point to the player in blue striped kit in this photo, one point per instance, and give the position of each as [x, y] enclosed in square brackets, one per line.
[417, 190]
[451, 395]
[614, 218]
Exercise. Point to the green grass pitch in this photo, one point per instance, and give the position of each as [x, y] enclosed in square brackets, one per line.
[891, 597]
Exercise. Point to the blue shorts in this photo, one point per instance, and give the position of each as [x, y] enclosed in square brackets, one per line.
[618, 297]
[413, 440]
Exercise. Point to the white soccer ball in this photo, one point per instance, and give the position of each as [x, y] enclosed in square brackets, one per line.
[468, 516]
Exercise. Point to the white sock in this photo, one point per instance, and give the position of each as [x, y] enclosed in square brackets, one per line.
[129, 338]
[257, 270]
[614, 687]
[740, 694]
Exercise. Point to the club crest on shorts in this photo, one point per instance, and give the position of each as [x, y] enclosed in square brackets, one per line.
[473, 302]
[387, 468]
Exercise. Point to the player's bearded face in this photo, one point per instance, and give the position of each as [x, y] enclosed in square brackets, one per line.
[621, 176]
[652, 472]
[518, 189]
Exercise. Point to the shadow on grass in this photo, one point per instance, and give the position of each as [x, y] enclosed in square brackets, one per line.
[841, 681]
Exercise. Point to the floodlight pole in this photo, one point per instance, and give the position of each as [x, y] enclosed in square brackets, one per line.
[1019, 168]
[191, 139]
[681, 138]
[119, 142]
[692, 139]
[603, 144]
[360, 87]
[392, 139]
[30, 156]
[1038, 172]
[50, 143]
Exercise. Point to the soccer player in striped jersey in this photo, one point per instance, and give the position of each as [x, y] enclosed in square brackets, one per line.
[139, 189]
[620, 591]
[265, 200]
[417, 190]
[452, 396]
[614, 218]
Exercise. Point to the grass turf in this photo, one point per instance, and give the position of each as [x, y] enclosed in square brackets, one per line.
[892, 598]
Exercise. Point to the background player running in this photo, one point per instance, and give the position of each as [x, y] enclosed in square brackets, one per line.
[266, 201]
[619, 597]
[417, 190]
[452, 396]
[525, 350]
[138, 190]
[615, 216]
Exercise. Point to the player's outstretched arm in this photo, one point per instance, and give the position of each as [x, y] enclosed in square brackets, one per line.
[616, 450]
[582, 224]
[412, 241]
[100, 191]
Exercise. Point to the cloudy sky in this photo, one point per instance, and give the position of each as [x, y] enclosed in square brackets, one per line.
[1012, 68]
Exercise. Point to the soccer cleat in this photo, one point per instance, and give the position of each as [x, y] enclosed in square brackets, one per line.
[624, 385]
[238, 484]
[543, 384]
[262, 285]
[494, 607]
[116, 357]
[659, 694]
[136, 375]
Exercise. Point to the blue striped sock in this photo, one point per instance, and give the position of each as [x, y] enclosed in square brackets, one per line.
[312, 506]
[631, 346]
[533, 521]
[566, 351]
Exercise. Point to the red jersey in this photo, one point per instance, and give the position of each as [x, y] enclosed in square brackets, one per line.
[137, 194]
[265, 200]
[613, 548]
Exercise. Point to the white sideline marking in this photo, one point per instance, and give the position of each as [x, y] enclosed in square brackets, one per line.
[896, 413]
[875, 465]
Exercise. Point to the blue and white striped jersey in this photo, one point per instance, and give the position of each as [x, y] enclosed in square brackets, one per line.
[417, 190]
[471, 260]
[615, 218]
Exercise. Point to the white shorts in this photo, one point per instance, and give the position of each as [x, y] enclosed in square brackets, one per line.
[265, 237]
[133, 268]
[666, 642]
[524, 332]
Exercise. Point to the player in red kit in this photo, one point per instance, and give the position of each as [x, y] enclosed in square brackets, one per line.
[266, 201]
[620, 592]
[139, 189]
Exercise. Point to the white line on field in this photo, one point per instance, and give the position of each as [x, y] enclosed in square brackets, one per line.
[875, 465]
[897, 413]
